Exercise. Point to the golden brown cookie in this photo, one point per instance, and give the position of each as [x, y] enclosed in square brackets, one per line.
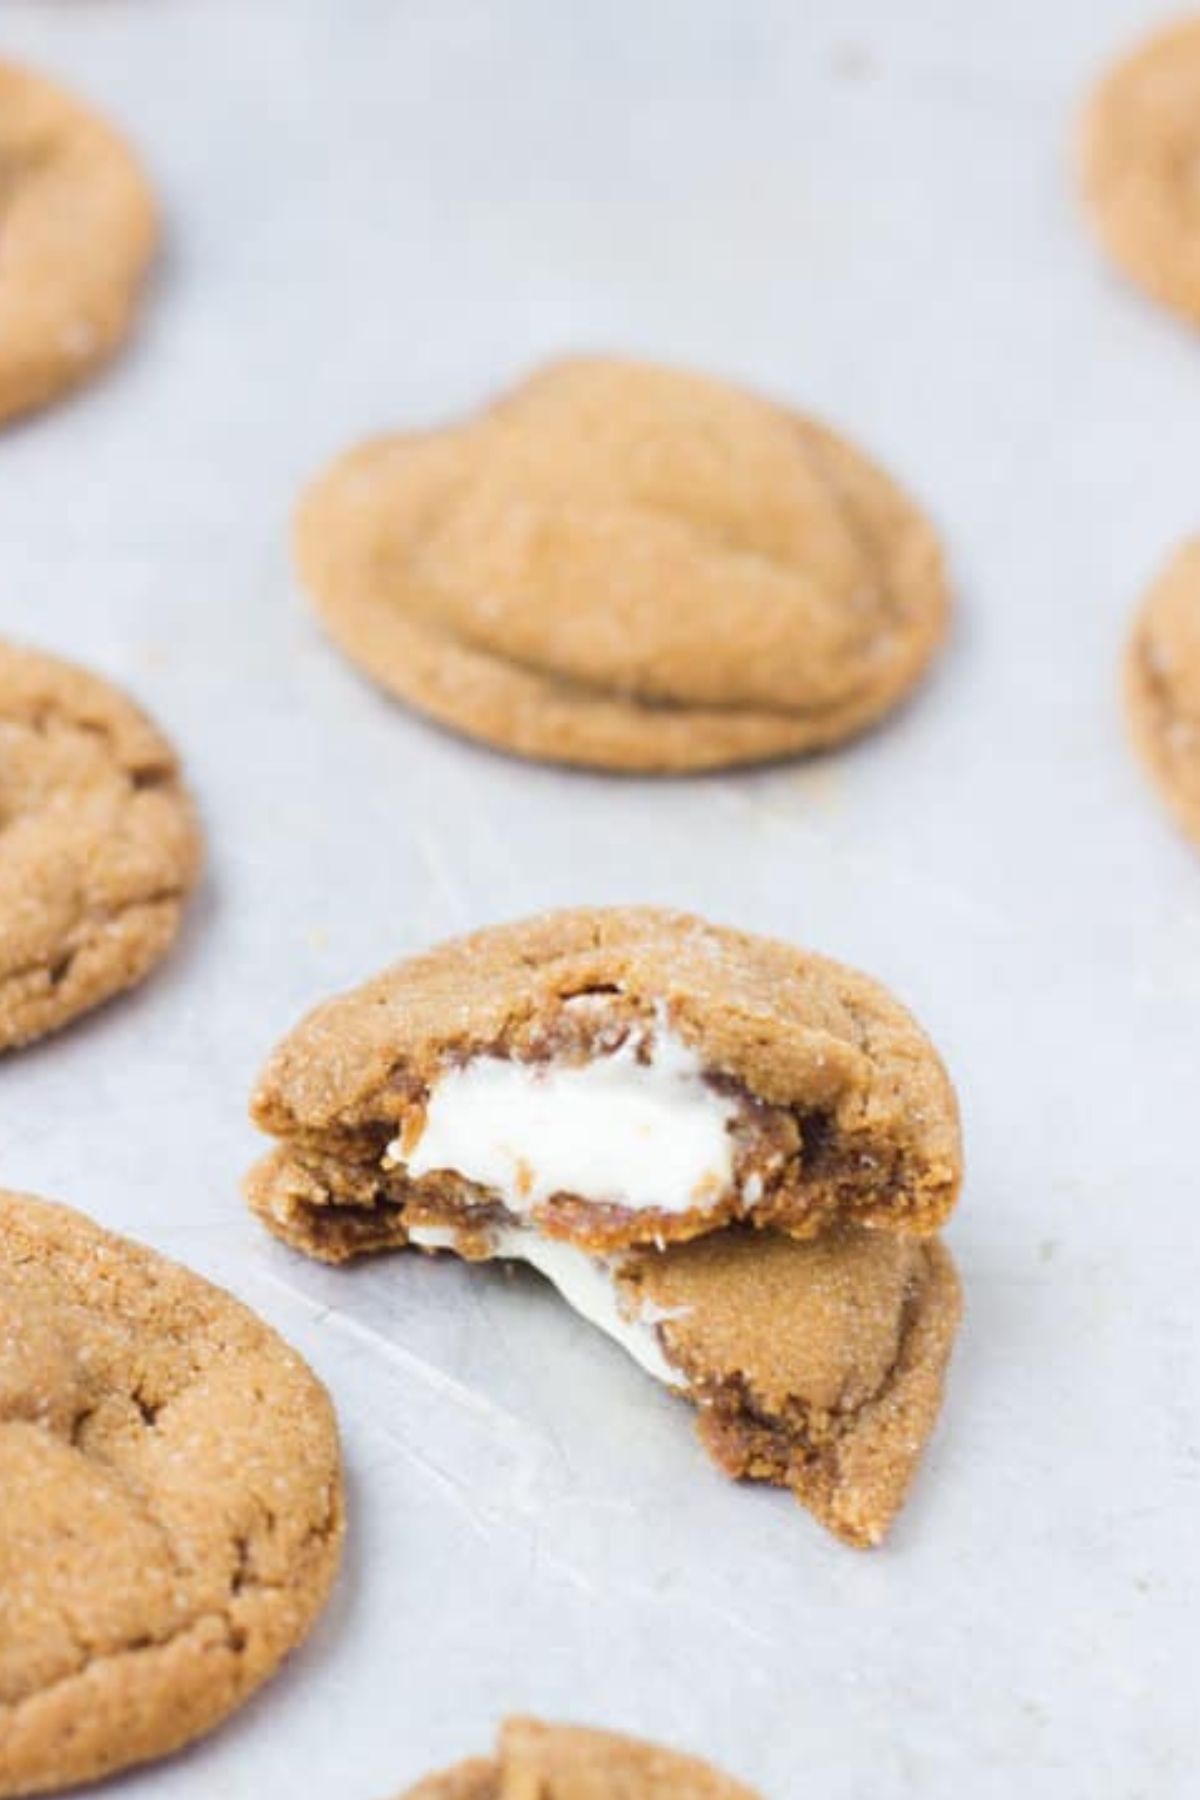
[629, 567]
[1162, 679]
[613, 1076]
[170, 1501]
[567, 1762]
[77, 232]
[817, 1365]
[1141, 154]
[99, 845]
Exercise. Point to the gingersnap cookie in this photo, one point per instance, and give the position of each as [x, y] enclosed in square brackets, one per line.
[612, 1076]
[1141, 153]
[77, 232]
[534, 1761]
[1162, 679]
[99, 845]
[628, 567]
[817, 1365]
[170, 1501]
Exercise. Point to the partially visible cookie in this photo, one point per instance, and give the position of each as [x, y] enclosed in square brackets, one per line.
[77, 232]
[170, 1501]
[614, 1076]
[629, 567]
[1141, 154]
[1163, 685]
[99, 845]
[534, 1761]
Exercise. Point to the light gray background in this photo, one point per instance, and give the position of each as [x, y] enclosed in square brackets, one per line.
[377, 214]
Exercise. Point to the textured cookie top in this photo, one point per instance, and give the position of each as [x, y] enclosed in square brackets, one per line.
[567, 1762]
[828, 1098]
[98, 843]
[817, 1365]
[77, 230]
[170, 1500]
[1141, 152]
[618, 538]
[1163, 684]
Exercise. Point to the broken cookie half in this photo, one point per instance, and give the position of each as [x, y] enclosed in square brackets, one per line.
[568, 1762]
[729, 1156]
[612, 1077]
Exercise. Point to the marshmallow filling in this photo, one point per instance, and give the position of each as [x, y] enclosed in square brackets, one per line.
[639, 1128]
[587, 1283]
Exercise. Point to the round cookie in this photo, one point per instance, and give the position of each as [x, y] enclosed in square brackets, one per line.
[99, 844]
[1162, 680]
[77, 230]
[170, 1501]
[631, 568]
[569, 1762]
[1141, 150]
[613, 1076]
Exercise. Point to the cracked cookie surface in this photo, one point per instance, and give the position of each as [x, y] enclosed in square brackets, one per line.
[629, 567]
[833, 1103]
[1141, 165]
[170, 1501]
[1162, 683]
[77, 232]
[535, 1761]
[99, 845]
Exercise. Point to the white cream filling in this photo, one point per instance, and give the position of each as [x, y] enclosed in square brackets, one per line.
[587, 1284]
[617, 1130]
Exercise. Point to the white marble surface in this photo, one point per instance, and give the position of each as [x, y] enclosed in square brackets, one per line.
[379, 212]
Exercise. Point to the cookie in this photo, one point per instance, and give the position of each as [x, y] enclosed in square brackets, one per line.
[99, 845]
[170, 1501]
[1162, 680]
[816, 1365]
[78, 227]
[1141, 150]
[566, 1762]
[613, 1076]
[628, 567]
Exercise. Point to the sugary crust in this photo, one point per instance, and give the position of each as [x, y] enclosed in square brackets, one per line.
[631, 568]
[77, 230]
[825, 1050]
[568, 1762]
[817, 1366]
[99, 844]
[1162, 684]
[1141, 148]
[170, 1494]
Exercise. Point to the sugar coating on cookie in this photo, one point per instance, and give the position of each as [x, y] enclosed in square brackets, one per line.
[1162, 679]
[1141, 152]
[99, 845]
[77, 232]
[613, 1076]
[170, 1501]
[817, 1365]
[630, 567]
[535, 1761]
